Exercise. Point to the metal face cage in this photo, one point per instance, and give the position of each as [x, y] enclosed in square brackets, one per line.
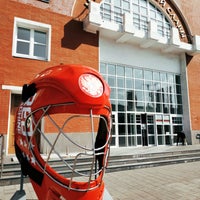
[89, 142]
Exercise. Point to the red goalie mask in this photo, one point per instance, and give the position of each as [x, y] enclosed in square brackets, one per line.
[64, 116]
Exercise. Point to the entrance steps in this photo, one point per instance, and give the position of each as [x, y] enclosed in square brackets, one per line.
[120, 159]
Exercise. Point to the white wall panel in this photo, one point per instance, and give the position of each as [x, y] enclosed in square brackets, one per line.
[113, 52]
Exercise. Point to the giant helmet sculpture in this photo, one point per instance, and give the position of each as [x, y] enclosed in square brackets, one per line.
[65, 105]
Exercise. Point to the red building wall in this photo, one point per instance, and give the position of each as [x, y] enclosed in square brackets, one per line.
[190, 10]
[69, 44]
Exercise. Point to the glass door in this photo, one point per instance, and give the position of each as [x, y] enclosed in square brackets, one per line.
[151, 129]
[163, 130]
[114, 130]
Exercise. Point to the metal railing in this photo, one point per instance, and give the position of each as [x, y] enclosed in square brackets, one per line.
[1, 154]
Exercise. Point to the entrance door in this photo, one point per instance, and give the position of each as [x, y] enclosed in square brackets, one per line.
[15, 101]
[145, 129]
[163, 130]
[114, 130]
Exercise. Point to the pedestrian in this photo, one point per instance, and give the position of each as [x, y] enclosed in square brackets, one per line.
[181, 137]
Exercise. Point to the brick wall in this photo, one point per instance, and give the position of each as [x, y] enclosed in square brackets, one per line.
[70, 44]
[4, 110]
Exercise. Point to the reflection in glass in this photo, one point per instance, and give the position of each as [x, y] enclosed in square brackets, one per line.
[111, 69]
[140, 106]
[121, 105]
[139, 84]
[121, 129]
[120, 82]
[131, 129]
[121, 94]
[129, 72]
[121, 117]
[120, 70]
[122, 142]
[131, 141]
[111, 81]
[138, 73]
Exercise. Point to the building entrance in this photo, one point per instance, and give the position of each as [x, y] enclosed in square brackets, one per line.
[142, 129]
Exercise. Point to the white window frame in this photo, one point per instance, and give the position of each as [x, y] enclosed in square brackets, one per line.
[32, 25]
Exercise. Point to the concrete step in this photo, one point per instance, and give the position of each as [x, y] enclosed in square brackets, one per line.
[12, 171]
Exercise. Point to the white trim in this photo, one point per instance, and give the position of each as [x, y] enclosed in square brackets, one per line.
[31, 25]
[13, 89]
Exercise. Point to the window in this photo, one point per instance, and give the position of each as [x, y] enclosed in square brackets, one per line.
[31, 39]
[142, 11]
[138, 89]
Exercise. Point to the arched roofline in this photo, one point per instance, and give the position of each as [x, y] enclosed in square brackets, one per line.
[176, 17]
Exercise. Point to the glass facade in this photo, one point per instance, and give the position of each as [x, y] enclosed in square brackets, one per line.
[146, 105]
[142, 11]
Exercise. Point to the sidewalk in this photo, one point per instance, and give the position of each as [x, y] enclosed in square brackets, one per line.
[172, 182]
[178, 181]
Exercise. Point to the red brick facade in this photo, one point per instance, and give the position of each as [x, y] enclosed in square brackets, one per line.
[71, 44]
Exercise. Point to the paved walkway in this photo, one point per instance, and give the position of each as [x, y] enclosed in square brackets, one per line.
[178, 181]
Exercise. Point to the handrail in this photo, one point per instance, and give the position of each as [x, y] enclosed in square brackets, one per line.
[1, 153]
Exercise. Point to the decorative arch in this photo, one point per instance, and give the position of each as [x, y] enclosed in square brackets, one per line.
[148, 23]
[174, 15]
[168, 15]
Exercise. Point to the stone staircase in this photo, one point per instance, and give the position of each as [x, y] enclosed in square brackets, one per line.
[117, 162]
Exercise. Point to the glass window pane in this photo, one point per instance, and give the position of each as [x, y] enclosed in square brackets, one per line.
[135, 9]
[138, 73]
[163, 77]
[113, 93]
[130, 95]
[151, 140]
[148, 75]
[130, 106]
[178, 79]
[121, 129]
[117, 2]
[111, 81]
[121, 94]
[170, 78]
[129, 83]
[122, 142]
[121, 105]
[111, 69]
[40, 37]
[120, 82]
[178, 89]
[140, 106]
[158, 97]
[23, 33]
[139, 95]
[121, 117]
[120, 71]
[23, 48]
[148, 86]
[179, 99]
[156, 76]
[40, 51]
[139, 84]
[131, 141]
[128, 72]
[102, 68]
[126, 5]
[131, 117]
[143, 11]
